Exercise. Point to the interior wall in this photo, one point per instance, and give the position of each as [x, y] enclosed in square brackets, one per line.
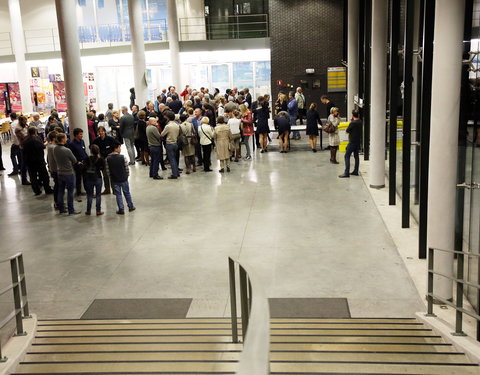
[316, 42]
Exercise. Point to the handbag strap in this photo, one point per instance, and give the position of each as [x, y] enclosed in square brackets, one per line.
[210, 139]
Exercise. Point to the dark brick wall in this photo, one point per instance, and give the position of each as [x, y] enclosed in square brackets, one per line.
[306, 34]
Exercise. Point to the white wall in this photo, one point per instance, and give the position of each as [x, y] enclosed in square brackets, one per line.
[4, 17]
[38, 14]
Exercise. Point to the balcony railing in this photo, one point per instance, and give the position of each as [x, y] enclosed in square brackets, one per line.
[229, 27]
[42, 40]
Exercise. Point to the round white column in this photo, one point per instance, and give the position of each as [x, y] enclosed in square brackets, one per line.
[72, 65]
[378, 106]
[19, 50]
[352, 72]
[445, 112]
[138, 52]
[173, 43]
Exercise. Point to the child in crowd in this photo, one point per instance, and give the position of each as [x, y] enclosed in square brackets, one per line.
[119, 172]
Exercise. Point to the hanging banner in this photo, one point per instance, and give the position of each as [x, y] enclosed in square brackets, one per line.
[3, 107]
[60, 96]
[14, 96]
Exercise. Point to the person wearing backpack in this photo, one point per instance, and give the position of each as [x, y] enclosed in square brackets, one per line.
[92, 179]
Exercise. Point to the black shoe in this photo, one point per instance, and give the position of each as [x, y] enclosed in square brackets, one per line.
[164, 168]
[262, 151]
[106, 192]
[48, 192]
[13, 174]
[314, 150]
[180, 169]
[354, 174]
[74, 213]
[37, 193]
[157, 178]
[228, 169]
[26, 183]
[208, 170]
[120, 212]
[132, 209]
[344, 176]
[172, 177]
[222, 170]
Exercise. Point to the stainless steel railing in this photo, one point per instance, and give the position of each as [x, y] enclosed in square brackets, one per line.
[460, 282]
[240, 26]
[255, 316]
[20, 300]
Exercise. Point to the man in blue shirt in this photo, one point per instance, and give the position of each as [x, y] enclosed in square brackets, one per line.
[197, 122]
[77, 146]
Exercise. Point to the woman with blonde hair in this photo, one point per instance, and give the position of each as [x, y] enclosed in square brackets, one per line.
[333, 137]
[223, 143]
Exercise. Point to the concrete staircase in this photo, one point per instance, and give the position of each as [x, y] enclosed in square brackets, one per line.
[203, 346]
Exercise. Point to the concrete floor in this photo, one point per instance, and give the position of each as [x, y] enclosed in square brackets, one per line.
[304, 231]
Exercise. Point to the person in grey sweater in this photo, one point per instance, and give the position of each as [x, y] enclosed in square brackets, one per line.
[127, 131]
[155, 145]
[65, 161]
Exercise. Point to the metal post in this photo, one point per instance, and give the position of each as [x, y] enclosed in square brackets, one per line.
[244, 301]
[424, 123]
[249, 296]
[431, 252]
[394, 87]
[2, 359]
[459, 302]
[407, 111]
[23, 287]
[233, 300]
[16, 297]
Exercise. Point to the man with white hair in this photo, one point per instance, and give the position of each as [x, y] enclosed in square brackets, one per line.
[127, 131]
[38, 125]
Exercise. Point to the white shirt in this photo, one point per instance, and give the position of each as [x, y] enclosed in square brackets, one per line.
[234, 124]
[205, 132]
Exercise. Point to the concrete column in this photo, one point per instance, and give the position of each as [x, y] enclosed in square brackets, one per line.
[72, 65]
[19, 49]
[378, 107]
[138, 52]
[446, 82]
[353, 31]
[173, 42]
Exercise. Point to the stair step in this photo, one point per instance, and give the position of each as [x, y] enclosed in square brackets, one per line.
[372, 347]
[223, 332]
[276, 368]
[234, 356]
[371, 368]
[228, 338]
[224, 326]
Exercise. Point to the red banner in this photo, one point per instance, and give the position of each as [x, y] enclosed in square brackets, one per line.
[3, 107]
[60, 96]
[14, 95]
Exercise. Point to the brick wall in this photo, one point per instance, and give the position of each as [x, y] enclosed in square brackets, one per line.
[306, 34]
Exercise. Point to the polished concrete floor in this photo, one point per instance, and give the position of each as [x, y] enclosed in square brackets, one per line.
[304, 232]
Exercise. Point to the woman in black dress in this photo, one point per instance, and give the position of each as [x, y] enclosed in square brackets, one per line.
[262, 113]
[114, 124]
[141, 138]
[313, 120]
[282, 124]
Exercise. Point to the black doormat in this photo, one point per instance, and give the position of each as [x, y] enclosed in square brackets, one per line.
[143, 308]
[309, 308]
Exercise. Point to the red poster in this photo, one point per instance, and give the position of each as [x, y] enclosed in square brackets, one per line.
[3, 108]
[60, 97]
[14, 95]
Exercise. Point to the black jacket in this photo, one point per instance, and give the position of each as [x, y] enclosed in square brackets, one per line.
[33, 150]
[354, 131]
[118, 168]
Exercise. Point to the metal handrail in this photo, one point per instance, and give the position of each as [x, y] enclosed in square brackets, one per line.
[255, 357]
[19, 287]
[233, 31]
[459, 281]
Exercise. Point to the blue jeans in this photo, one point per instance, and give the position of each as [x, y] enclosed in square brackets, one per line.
[172, 149]
[117, 189]
[66, 181]
[156, 155]
[293, 122]
[89, 186]
[352, 148]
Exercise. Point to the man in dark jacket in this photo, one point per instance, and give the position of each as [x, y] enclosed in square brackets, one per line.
[127, 131]
[33, 151]
[77, 145]
[118, 168]
[175, 105]
[354, 131]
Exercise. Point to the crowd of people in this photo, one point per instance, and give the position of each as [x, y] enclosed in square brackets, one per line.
[191, 123]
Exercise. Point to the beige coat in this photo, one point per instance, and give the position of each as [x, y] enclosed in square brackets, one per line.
[223, 138]
[187, 129]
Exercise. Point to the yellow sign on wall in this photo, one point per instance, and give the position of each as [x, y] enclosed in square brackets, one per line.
[337, 79]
